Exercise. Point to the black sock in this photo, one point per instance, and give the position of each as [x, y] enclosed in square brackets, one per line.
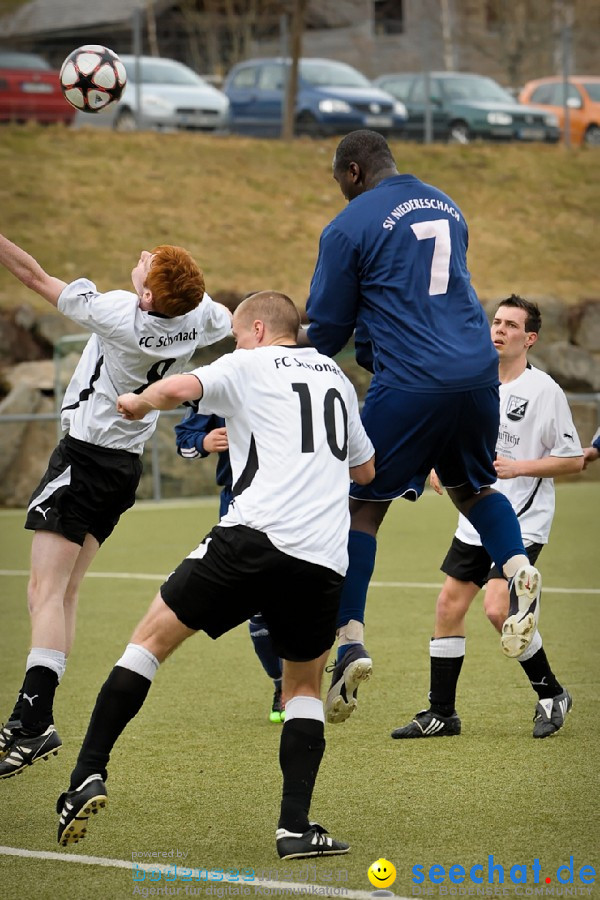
[37, 699]
[121, 697]
[540, 675]
[444, 674]
[15, 715]
[263, 647]
[300, 753]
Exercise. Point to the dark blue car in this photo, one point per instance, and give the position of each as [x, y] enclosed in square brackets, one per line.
[333, 98]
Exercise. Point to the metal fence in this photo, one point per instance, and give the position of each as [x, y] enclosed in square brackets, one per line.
[162, 441]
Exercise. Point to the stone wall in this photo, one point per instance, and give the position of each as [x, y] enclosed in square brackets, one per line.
[568, 349]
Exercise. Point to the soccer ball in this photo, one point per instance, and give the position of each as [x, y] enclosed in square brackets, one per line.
[92, 77]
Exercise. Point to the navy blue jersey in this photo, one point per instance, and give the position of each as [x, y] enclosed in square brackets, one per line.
[393, 264]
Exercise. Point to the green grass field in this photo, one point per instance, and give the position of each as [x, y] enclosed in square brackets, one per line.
[197, 771]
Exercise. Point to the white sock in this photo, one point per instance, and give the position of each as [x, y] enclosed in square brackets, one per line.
[137, 659]
[50, 659]
[535, 645]
[447, 647]
[353, 632]
[304, 708]
[512, 565]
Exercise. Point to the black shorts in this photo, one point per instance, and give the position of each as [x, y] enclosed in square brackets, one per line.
[470, 562]
[85, 490]
[237, 572]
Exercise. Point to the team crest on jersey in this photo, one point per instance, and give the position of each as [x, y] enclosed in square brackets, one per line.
[516, 408]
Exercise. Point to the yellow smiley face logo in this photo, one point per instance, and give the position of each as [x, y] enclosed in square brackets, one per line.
[382, 873]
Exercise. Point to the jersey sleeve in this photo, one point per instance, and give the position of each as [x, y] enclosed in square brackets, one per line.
[215, 322]
[103, 314]
[559, 433]
[334, 292]
[223, 384]
[190, 434]
[360, 448]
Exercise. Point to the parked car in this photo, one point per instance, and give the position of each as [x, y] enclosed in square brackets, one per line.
[583, 100]
[333, 98]
[466, 106]
[30, 90]
[172, 96]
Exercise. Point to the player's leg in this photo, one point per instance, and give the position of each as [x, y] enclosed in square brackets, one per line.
[303, 630]
[467, 470]
[209, 591]
[71, 599]
[300, 753]
[353, 664]
[554, 700]
[403, 428]
[120, 699]
[29, 735]
[446, 653]
[269, 660]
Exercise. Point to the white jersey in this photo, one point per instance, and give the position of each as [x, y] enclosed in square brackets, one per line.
[535, 422]
[294, 429]
[129, 349]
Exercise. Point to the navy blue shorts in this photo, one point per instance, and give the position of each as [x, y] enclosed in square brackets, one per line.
[455, 434]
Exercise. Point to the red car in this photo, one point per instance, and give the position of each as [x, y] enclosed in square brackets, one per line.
[30, 90]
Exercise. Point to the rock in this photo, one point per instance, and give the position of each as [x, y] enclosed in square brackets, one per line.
[51, 327]
[17, 343]
[572, 367]
[585, 324]
[24, 446]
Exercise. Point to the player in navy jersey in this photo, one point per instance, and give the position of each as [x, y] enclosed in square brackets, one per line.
[392, 266]
[197, 436]
[137, 337]
[295, 437]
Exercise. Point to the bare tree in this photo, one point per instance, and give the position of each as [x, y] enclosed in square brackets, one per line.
[151, 28]
[509, 32]
[291, 84]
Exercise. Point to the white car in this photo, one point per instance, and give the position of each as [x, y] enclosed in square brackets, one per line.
[172, 97]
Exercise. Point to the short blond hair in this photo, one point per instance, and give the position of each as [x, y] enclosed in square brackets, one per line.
[276, 310]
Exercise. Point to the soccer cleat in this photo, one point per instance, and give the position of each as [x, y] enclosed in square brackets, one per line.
[550, 714]
[25, 750]
[354, 667]
[75, 808]
[429, 724]
[523, 612]
[312, 843]
[7, 733]
[277, 713]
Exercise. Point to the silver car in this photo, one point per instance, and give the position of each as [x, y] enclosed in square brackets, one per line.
[172, 97]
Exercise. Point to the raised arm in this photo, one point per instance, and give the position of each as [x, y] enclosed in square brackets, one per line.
[29, 272]
[168, 393]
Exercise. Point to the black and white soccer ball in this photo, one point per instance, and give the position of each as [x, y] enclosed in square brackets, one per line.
[92, 77]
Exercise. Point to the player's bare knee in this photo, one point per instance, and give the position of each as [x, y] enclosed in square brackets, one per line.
[450, 610]
[38, 598]
[496, 608]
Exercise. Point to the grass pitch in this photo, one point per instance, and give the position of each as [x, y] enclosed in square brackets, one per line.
[197, 771]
